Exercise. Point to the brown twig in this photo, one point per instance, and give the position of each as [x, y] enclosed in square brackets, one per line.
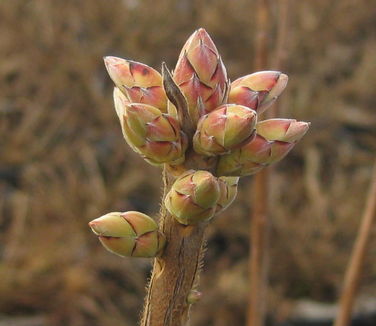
[175, 273]
[354, 268]
[259, 222]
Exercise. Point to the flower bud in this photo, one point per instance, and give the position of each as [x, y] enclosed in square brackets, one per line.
[201, 75]
[224, 129]
[287, 130]
[274, 139]
[139, 82]
[194, 296]
[258, 90]
[151, 133]
[228, 190]
[129, 234]
[193, 197]
[284, 134]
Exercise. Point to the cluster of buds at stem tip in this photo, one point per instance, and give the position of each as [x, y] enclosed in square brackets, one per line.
[193, 117]
[129, 234]
[274, 139]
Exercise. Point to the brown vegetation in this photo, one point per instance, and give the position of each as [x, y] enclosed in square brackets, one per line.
[64, 162]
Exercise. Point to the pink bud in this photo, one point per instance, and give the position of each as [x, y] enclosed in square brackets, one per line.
[139, 82]
[258, 90]
[201, 75]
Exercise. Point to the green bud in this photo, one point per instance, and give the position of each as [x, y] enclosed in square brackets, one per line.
[224, 129]
[194, 296]
[273, 141]
[193, 197]
[129, 234]
[155, 135]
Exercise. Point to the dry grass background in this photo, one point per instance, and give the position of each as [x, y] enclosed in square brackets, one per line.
[63, 161]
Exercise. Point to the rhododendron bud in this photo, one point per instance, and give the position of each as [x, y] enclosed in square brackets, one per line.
[193, 197]
[201, 75]
[129, 234]
[226, 128]
[139, 82]
[258, 90]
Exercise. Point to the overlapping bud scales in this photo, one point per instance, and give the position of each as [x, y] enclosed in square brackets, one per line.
[274, 139]
[228, 190]
[139, 82]
[129, 234]
[286, 130]
[201, 75]
[258, 90]
[153, 134]
[224, 129]
[159, 112]
[193, 197]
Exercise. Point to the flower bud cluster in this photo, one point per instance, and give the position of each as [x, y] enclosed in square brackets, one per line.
[188, 117]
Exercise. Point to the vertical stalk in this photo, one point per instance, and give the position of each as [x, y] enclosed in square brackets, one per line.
[175, 273]
[354, 268]
[259, 219]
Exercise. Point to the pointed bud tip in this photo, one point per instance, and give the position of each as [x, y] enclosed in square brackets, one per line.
[298, 129]
[202, 32]
[283, 79]
[111, 60]
[94, 227]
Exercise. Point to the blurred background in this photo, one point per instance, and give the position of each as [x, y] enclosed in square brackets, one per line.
[63, 160]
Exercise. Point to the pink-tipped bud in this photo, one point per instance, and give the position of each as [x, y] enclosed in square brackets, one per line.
[258, 90]
[129, 234]
[283, 133]
[193, 197]
[139, 82]
[201, 75]
[273, 141]
[286, 130]
[224, 129]
[151, 133]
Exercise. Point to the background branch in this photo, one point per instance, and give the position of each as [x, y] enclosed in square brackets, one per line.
[354, 268]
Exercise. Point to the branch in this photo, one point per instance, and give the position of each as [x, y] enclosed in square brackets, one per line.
[354, 268]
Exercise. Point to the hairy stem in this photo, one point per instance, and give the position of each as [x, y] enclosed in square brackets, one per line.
[175, 272]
